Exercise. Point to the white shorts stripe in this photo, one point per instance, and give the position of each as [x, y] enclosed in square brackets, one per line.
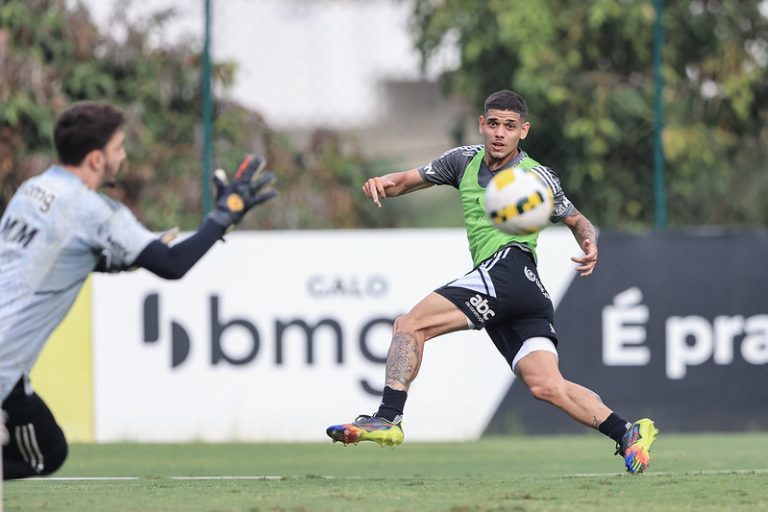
[18, 433]
[26, 440]
[488, 282]
[478, 281]
[35, 448]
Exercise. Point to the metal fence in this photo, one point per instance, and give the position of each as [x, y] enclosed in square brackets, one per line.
[334, 89]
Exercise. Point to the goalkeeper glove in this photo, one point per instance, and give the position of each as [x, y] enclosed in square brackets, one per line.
[250, 186]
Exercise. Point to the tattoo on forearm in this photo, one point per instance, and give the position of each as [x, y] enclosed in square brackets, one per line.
[585, 230]
[402, 359]
[595, 422]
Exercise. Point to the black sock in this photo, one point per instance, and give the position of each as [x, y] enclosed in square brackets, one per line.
[614, 427]
[392, 404]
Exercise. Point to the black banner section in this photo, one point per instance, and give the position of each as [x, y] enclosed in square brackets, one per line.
[672, 326]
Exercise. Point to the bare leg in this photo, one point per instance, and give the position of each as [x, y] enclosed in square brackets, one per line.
[539, 371]
[431, 317]
[403, 359]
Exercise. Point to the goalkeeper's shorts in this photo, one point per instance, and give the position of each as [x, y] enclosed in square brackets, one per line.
[36, 445]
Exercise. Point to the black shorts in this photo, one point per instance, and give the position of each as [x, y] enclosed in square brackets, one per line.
[37, 445]
[505, 296]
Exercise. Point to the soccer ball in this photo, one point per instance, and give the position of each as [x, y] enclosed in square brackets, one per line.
[518, 202]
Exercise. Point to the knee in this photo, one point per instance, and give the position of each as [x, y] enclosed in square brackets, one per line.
[547, 391]
[405, 323]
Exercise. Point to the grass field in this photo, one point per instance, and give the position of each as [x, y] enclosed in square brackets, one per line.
[574, 473]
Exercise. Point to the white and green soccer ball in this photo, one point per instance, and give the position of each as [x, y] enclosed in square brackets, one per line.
[518, 202]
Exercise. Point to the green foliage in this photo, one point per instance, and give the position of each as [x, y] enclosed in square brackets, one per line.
[321, 187]
[584, 67]
[586, 70]
[52, 54]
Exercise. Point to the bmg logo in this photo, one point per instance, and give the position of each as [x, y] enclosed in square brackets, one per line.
[182, 342]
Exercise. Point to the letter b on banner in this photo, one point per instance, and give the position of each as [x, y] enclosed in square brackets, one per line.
[217, 330]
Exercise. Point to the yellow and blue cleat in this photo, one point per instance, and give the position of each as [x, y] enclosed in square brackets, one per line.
[368, 428]
[635, 446]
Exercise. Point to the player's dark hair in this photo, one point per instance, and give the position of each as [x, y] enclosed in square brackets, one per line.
[84, 127]
[506, 100]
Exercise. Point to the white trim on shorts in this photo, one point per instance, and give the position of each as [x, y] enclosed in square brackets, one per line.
[533, 345]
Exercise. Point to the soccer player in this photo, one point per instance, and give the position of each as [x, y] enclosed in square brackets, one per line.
[503, 293]
[58, 228]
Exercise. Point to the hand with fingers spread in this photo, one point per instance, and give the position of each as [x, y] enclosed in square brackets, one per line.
[376, 188]
[589, 260]
[249, 187]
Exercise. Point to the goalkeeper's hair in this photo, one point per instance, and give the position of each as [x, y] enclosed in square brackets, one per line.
[83, 127]
[506, 100]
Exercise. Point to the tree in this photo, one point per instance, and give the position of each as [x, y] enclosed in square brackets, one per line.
[52, 54]
[585, 69]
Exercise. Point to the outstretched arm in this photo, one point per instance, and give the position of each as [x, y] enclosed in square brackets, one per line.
[173, 262]
[586, 236]
[249, 187]
[394, 184]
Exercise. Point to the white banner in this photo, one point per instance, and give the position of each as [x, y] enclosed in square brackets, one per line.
[273, 336]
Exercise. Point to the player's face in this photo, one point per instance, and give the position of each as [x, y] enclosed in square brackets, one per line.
[114, 155]
[502, 131]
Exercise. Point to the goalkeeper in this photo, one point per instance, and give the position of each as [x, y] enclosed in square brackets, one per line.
[57, 229]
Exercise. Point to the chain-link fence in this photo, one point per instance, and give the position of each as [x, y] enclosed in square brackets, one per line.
[333, 91]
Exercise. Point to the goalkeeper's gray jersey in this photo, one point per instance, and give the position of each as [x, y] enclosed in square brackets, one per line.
[52, 234]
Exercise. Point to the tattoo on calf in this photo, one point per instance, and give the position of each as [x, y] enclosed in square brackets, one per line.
[402, 359]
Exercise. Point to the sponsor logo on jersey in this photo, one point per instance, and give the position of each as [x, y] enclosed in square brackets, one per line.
[43, 198]
[562, 207]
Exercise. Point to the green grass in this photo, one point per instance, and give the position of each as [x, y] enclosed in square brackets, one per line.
[574, 473]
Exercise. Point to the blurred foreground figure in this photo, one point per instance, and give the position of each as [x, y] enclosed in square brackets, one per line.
[56, 230]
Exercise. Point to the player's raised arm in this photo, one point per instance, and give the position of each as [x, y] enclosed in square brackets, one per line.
[393, 185]
[249, 186]
[586, 236]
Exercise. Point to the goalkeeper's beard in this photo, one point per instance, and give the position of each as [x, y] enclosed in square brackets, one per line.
[110, 175]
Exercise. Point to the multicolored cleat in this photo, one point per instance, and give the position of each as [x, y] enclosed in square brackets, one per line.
[635, 446]
[368, 428]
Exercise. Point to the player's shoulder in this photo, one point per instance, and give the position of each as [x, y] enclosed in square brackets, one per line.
[68, 193]
[530, 164]
[107, 202]
[463, 151]
[101, 210]
[54, 189]
[546, 173]
[455, 160]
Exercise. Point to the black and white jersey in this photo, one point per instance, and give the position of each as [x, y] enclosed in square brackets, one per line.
[448, 169]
